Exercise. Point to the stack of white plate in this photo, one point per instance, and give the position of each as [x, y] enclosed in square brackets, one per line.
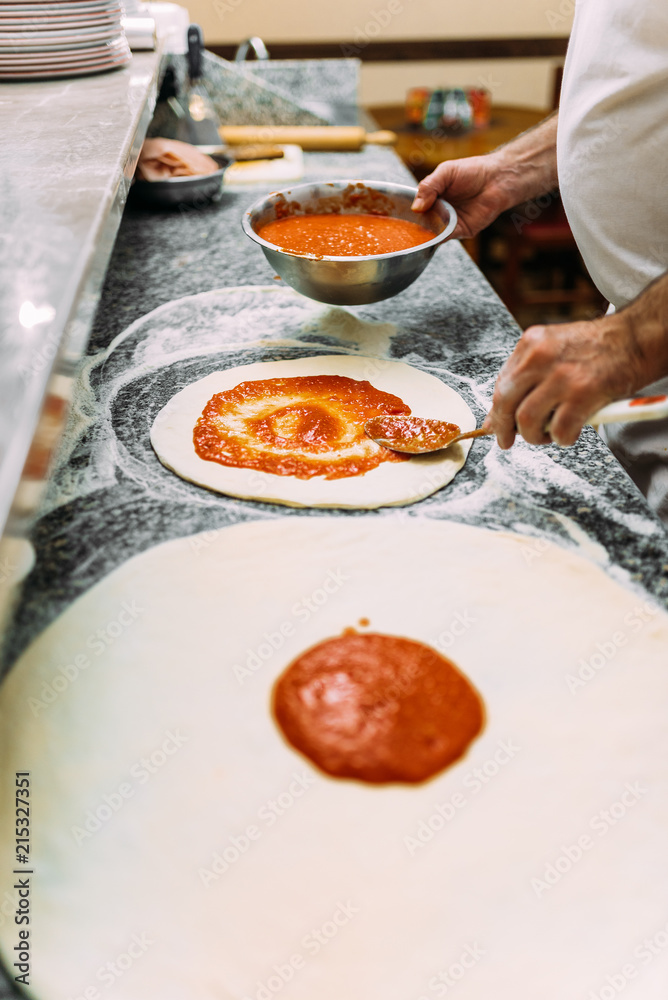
[53, 38]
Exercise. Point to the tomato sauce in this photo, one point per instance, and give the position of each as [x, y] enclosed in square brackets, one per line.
[414, 431]
[377, 708]
[646, 400]
[343, 235]
[305, 426]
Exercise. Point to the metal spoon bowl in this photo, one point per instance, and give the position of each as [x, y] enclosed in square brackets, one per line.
[416, 435]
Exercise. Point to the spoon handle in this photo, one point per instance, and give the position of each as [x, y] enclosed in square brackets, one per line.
[478, 432]
[642, 408]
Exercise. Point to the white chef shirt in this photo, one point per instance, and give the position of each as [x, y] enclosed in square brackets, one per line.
[612, 157]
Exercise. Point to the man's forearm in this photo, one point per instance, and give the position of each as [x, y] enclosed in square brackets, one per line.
[527, 165]
[646, 323]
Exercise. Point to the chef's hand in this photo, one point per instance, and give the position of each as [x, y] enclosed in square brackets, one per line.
[558, 376]
[472, 186]
[482, 187]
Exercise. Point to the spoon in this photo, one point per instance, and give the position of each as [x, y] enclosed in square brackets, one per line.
[418, 435]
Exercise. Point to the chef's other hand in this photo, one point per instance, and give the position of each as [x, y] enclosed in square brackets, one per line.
[558, 376]
[472, 185]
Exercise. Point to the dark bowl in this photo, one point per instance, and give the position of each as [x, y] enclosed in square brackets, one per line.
[174, 191]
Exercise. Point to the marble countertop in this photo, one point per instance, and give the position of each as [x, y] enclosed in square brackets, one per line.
[66, 164]
[111, 499]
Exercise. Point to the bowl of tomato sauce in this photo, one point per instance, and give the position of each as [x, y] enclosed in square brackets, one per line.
[348, 242]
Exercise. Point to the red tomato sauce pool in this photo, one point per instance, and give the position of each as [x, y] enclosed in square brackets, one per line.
[377, 708]
[336, 235]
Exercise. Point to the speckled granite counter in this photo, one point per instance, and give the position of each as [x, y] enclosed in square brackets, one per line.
[112, 499]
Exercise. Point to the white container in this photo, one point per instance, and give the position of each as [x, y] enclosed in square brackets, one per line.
[171, 22]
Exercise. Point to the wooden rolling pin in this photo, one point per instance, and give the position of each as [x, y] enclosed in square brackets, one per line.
[313, 137]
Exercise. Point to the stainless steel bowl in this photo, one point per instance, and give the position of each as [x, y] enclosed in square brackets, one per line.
[350, 281]
[174, 191]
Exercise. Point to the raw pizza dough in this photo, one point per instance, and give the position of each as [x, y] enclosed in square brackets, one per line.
[392, 483]
[178, 838]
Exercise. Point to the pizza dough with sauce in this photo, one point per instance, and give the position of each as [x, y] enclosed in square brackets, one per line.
[178, 838]
[390, 484]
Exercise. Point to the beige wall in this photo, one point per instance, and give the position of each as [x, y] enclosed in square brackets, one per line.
[525, 82]
[321, 20]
